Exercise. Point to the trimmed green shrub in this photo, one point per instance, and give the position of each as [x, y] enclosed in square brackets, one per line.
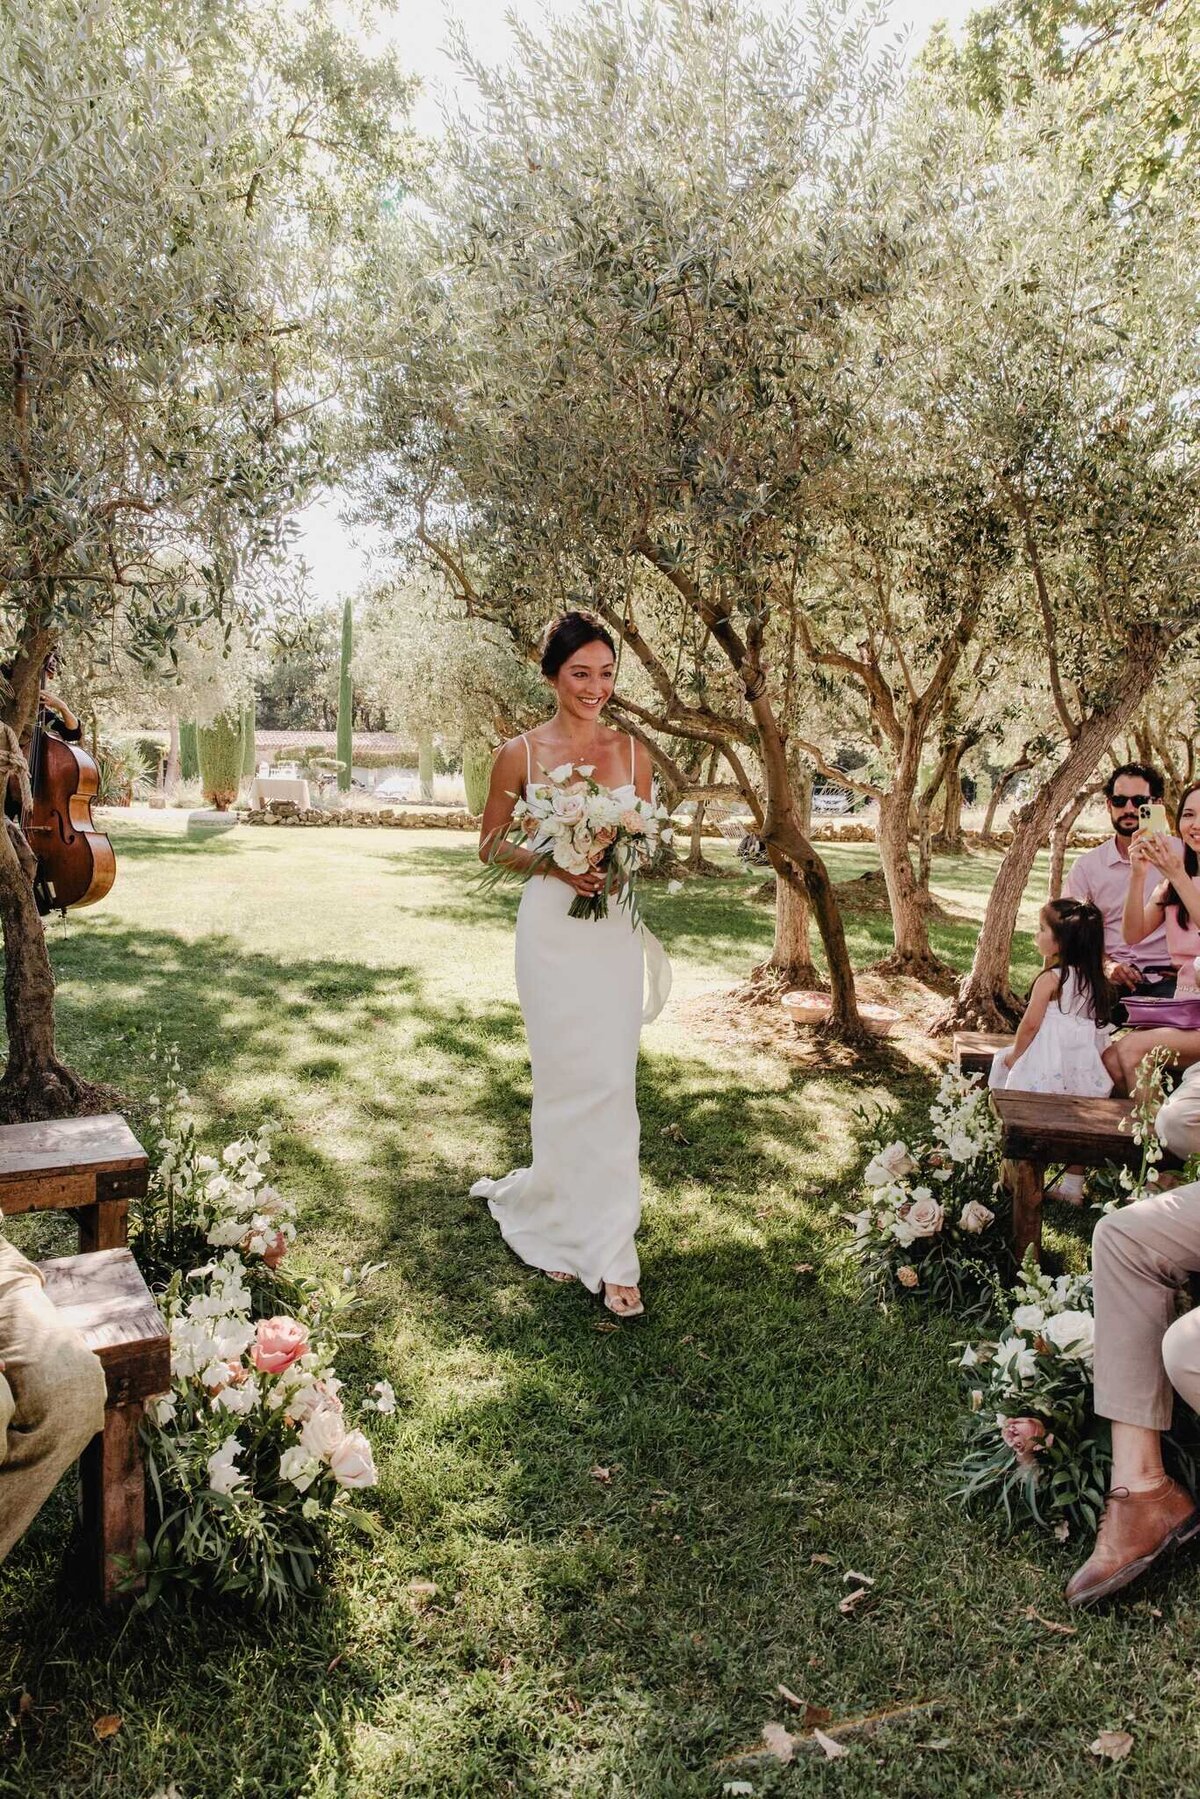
[220, 749]
[477, 771]
[189, 758]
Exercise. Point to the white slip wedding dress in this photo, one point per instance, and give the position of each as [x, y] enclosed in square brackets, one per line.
[577, 1207]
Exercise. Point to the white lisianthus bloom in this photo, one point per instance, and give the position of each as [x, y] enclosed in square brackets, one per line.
[902, 1231]
[1072, 1334]
[969, 1358]
[562, 773]
[162, 1410]
[862, 1224]
[238, 1399]
[311, 1508]
[225, 1233]
[299, 1467]
[385, 1398]
[975, 1217]
[1028, 1318]
[223, 1475]
[206, 1164]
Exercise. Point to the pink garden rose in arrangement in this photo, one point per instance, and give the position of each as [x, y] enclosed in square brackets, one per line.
[255, 1452]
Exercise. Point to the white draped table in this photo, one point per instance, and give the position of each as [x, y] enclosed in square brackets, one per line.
[266, 788]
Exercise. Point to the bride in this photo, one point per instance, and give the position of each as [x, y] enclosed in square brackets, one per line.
[575, 1211]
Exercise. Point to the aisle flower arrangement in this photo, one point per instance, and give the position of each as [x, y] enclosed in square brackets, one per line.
[934, 1221]
[1035, 1449]
[257, 1449]
[573, 821]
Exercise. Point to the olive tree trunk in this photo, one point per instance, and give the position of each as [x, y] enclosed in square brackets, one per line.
[908, 897]
[985, 1000]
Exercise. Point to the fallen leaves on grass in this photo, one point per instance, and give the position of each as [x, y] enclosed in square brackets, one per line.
[852, 1601]
[603, 1475]
[824, 1561]
[1112, 1745]
[813, 1714]
[605, 1327]
[866, 1580]
[420, 1592]
[107, 1726]
[1060, 1630]
[802, 1267]
[833, 1749]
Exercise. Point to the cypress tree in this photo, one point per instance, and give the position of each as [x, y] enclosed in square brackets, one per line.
[189, 759]
[345, 736]
[220, 751]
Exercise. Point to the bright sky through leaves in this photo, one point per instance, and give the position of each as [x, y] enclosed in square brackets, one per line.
[340, 559]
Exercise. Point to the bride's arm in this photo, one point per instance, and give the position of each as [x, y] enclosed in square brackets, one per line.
[508, 772]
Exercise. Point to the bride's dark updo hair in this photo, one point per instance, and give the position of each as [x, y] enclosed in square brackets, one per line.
[569, 633]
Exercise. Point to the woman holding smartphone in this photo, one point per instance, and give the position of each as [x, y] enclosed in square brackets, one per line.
[1175, 903]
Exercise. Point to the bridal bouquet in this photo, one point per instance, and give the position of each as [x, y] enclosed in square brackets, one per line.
[577, 823]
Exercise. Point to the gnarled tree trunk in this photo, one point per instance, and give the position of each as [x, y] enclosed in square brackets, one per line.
[1059, 837]
[790, 963]
[912, 953]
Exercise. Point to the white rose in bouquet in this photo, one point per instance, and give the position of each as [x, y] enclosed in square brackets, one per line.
[1072, 1334]
[975, 1217]
[925, 1215]
[889, 1164]
[1028, 1318]
[568, 857]
[352, 1464]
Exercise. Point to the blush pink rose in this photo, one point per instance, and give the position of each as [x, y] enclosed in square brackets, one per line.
[1025, 1437]
[351, 1463]
[278, 1343]
[633, 822]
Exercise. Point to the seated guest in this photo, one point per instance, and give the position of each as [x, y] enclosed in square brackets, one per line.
[51, 1395]
[1144, 1354]
[1173, 905]
[1101, 876]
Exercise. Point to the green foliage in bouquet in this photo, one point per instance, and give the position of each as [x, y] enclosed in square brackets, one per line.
[935, 1223]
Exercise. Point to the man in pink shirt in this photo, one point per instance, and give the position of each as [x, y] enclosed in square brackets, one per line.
[1102, 876]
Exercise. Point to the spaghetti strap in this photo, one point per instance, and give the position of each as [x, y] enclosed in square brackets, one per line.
[528, 763]
[632, 762]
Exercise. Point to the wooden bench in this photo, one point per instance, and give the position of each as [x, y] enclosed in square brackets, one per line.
[973, 1050]
[1040, 1128]
[102, 1294]
[90, 1166]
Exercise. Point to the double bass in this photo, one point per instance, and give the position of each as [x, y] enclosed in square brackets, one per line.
[75, 862]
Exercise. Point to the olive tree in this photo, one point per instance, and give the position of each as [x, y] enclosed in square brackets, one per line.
[181, 189]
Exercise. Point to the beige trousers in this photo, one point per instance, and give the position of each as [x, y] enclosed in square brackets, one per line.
[1178, 1122]
[1141, 1257]
[51, 1395]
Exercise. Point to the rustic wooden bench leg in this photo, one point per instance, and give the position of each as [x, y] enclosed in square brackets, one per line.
[1024, 1181]
[104, 1225]
[114, 1498]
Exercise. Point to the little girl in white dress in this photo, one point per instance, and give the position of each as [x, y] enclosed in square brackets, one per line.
[1062, 1042]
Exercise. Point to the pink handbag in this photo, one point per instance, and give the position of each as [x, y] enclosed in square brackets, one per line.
[1183, 1012]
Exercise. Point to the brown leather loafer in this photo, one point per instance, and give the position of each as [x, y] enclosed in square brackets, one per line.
[1135, 1530]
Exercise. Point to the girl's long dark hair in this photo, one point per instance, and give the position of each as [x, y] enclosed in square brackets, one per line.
[1191, 861]
[1078, 928]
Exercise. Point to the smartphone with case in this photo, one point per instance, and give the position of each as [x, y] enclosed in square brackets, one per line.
[1154, 818]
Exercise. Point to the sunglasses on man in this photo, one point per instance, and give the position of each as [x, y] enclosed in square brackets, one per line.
[1128, 802]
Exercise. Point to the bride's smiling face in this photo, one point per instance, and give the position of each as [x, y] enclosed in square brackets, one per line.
[584, 683]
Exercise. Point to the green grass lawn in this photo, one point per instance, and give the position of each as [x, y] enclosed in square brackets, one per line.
[586, 1638]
